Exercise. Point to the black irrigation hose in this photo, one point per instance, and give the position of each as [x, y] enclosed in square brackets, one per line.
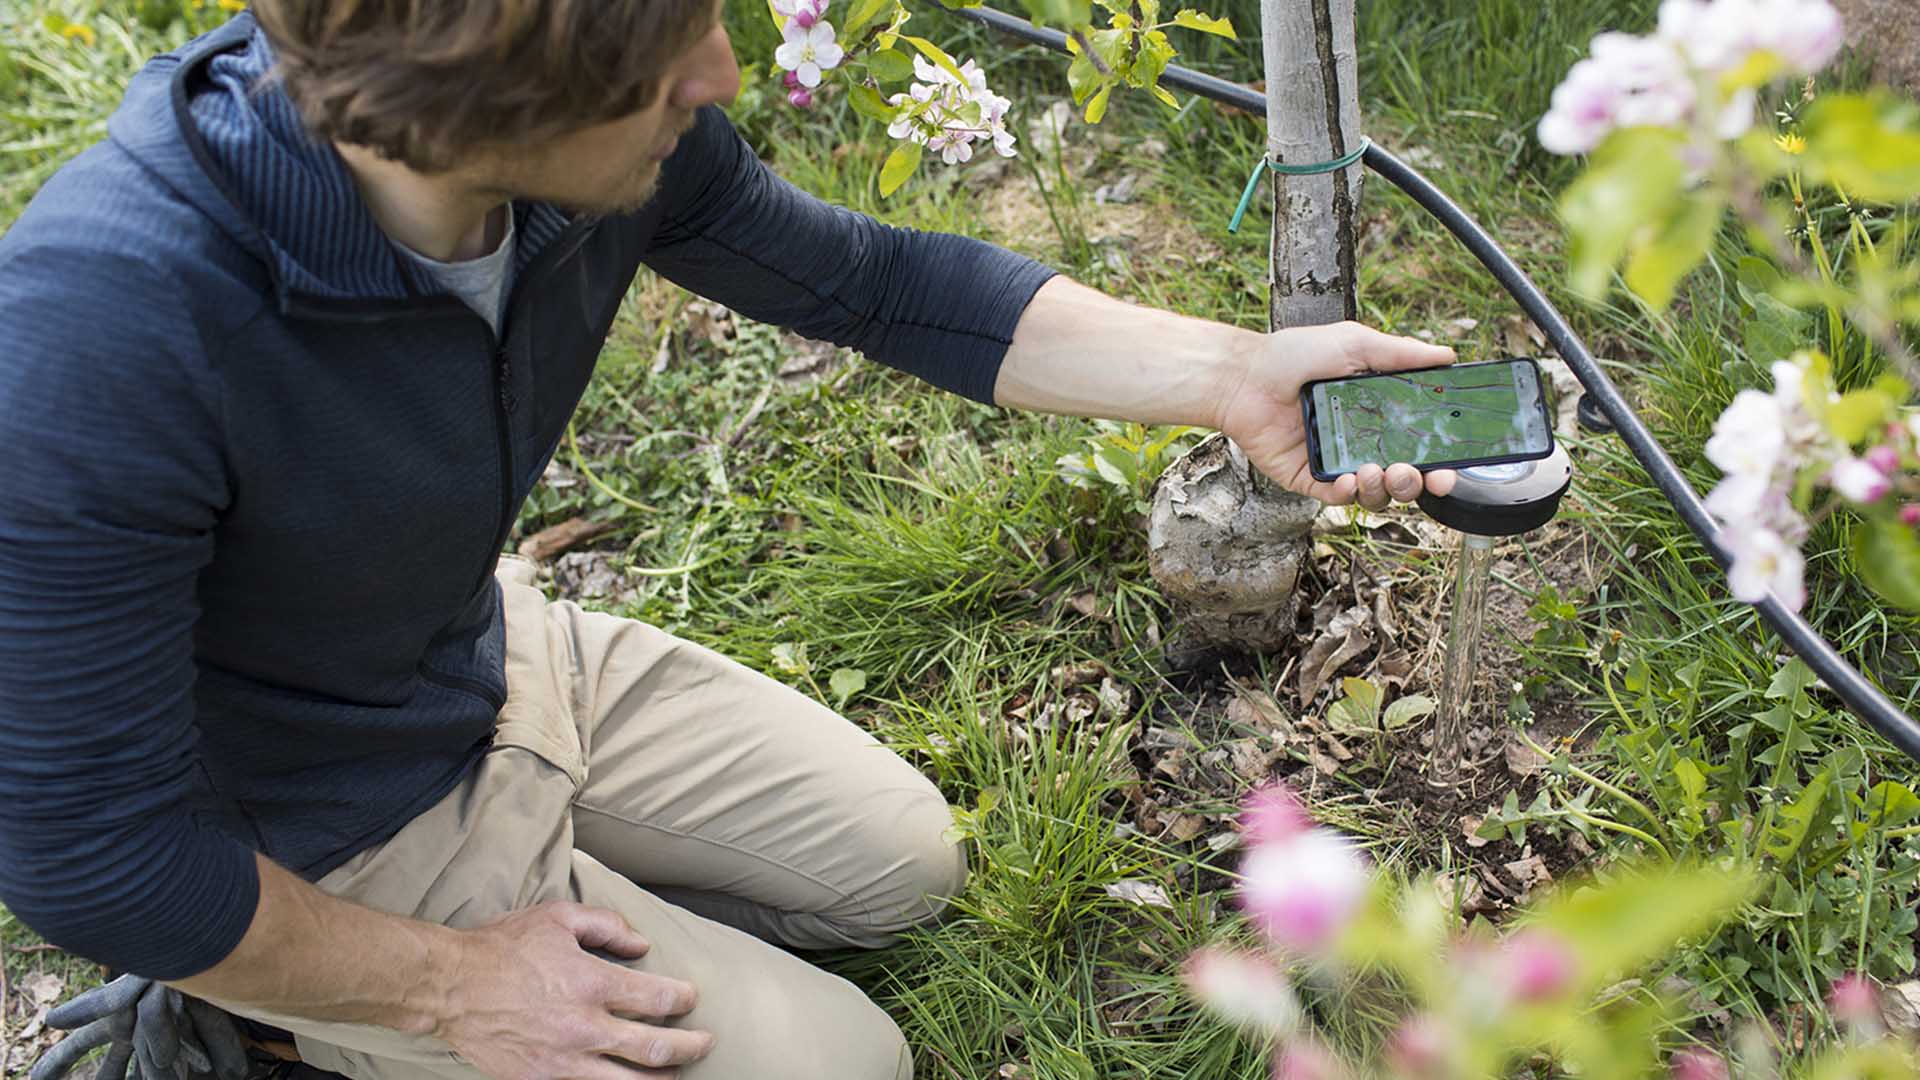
[1861, 696]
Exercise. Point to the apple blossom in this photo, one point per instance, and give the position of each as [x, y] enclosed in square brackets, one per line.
[1418, 1048]
[1243, 989]
[800, 97]
[1910, 514]
[1582, 111]
[1305, 1059]
[1537, 965]
[1651, 77]
[948, 112]
[1854, 1003]
[1805, 34]
[808, 51]
[1749, 435]
[1765, 563]
[1883, 457]
[1303, 891]
[1273, 814]
[1858, 481]
[1697, 1064]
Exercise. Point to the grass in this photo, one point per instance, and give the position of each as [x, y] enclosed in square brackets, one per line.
[765, 495]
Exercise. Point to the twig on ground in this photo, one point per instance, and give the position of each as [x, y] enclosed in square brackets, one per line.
[753, 413]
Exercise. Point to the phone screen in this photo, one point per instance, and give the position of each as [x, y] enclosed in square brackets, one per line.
[1451, 415]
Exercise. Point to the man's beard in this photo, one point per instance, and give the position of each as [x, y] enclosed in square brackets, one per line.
[635, 192]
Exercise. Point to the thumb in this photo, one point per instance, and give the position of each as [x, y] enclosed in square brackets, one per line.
[599, 928]
[1377, 351]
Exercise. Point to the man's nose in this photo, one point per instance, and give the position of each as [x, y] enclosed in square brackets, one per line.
[713, 76]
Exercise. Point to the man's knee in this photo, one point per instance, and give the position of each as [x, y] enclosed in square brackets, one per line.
[926, 871]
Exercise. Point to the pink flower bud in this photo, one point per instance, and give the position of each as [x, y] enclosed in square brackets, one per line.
[1304, 890]
[1537, 965]
[800, 97]
[1273, 813]
[1698, 1064]
[1910, 514]
[1854, 1002]
[1304, 1059]
[1418, 1049]
[1885, 458]
[806, 17]
[792, 79]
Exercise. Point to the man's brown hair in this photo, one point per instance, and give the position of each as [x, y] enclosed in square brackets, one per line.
[426, 82]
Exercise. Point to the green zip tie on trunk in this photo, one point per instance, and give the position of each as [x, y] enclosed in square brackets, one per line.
[1253, 179]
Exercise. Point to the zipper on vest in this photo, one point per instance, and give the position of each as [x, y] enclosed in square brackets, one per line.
[503, 406]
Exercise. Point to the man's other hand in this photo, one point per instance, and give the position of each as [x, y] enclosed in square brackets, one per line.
[1261, 411]
[169, 1035]
[532, 1002]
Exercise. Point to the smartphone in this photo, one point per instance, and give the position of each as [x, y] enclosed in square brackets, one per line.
[1484, 413]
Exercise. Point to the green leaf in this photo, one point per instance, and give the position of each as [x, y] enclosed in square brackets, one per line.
[863, 13]
[899, 165]
[1115, 466]
[1638, 917]
[1166, 98]
[846, 682]
[1408, 709]
[1886, 555]
[1692, 781]
[1059, 12]
[936, 54]
[1797, 820]
[1082, 78]
[1206, 24]
[791, 657]
[1788, 684]
[1636, 176]
[1860, 413]
[1774, 331]
[1869, 146]
[890, 65]
[868, 102]
[1890, 805]
[1662, 256]
[1097, 104]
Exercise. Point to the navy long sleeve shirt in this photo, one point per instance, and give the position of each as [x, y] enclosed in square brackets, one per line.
[255, 471]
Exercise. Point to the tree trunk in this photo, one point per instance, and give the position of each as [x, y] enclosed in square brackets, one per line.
[1888, 32]
[1224, 543]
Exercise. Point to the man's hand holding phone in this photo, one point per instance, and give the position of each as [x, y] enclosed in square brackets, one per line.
[1263, 411]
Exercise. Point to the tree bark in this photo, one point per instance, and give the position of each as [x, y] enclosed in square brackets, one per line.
[1225, 543]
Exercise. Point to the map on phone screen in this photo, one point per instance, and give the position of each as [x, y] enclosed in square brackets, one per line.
[1451, 414]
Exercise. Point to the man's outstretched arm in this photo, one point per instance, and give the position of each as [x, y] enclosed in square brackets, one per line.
[1083, 353]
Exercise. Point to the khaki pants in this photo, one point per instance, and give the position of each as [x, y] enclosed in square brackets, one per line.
[711, 806]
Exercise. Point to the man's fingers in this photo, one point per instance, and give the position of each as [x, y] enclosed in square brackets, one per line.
[57, 1061]
[1440, 481]
[636, 993]
[114, 1065]
[154, 1036]
[599, 928]
[221, 1038]
[1372, 490]
[94, 1004]
[1403, 482]
[1387, 352]
[658, 1047]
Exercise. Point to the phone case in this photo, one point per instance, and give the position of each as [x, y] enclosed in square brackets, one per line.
[1313, 432]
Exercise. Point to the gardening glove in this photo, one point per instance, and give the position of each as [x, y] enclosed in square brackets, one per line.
[162, 1033]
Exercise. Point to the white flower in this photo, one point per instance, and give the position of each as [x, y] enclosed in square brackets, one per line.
[1651, 77]
[1245, 989]
[1582, 112]
[1858, 481]
[1716, 37]
[1740, 499]
[1765, 563]
[952, 112]
[1749, 436]
[808, 51]
[1805, 34]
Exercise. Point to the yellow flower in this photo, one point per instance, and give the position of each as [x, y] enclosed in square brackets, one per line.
[84, 34]
[1792, 144]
